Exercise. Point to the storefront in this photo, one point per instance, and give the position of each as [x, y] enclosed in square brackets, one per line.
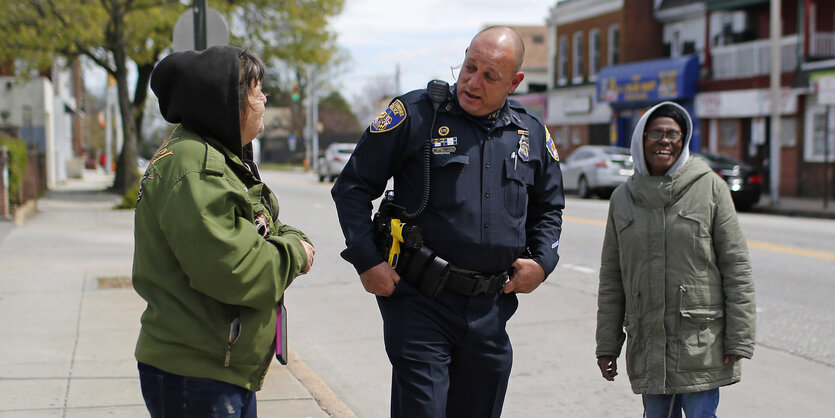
[630, 89]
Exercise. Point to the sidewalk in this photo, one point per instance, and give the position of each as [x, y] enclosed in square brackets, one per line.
[70, 317]
[808, 207]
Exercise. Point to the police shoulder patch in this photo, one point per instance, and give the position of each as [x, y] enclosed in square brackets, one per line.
[552, 147]
[391, 118]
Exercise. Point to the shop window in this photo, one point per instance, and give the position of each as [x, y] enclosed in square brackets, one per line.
[788, 132]
[815, 146]
[728, 132]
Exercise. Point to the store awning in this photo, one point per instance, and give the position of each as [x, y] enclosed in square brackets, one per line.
[713, 5]
[645, 82]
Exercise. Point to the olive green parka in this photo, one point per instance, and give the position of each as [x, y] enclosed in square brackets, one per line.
[211, 257]
[676, 277]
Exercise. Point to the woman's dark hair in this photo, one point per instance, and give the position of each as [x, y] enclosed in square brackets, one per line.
[672, 112]
[251, 73]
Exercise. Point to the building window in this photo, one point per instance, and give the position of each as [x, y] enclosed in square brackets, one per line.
[538, 39]
[577, 57]
[614, 45]
[562, 76]
[594, 54]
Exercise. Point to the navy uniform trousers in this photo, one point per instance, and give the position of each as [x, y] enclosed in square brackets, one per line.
[450, 356]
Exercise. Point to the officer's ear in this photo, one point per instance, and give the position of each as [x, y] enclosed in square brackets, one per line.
[514, 82]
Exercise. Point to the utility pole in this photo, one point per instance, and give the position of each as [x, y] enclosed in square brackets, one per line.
[314, 118]
[199, 25]
[775, 147]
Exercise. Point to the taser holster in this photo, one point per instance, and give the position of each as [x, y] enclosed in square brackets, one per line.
[401, 245]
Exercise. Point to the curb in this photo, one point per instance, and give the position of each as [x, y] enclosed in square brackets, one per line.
[25, 211]
[323, 394]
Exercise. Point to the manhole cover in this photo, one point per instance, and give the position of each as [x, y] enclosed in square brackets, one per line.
[114, 282]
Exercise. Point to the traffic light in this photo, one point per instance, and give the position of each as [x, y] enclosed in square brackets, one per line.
[295, 95]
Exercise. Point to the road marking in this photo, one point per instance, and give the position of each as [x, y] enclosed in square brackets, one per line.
[758, 245]
[790, 250]
[581, 269]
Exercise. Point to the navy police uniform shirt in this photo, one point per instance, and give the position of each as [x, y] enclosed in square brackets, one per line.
[496, 185]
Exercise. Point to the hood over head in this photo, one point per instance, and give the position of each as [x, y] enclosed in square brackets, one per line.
[637, 147]
[200, 91]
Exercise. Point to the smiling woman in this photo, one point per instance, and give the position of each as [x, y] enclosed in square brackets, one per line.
[672, 236]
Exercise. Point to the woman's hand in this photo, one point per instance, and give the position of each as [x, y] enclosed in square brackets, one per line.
[310, 253]
[608, 367]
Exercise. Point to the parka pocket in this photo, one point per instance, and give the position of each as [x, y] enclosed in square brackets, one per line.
[701, 343]
[518, 177]
[447, 180]
[636, 354]
[695, 230]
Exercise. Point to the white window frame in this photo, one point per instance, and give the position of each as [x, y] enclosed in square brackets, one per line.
[612, 47]
[562, 61]
[577, 58]
[594, 53]
[813, 134]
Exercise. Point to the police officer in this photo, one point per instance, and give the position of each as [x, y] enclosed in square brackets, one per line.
[494, 213]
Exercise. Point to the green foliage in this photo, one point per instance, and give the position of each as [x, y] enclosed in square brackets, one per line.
[129, 198]
[18, 159]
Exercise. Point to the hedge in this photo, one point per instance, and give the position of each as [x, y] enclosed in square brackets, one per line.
[18, 159]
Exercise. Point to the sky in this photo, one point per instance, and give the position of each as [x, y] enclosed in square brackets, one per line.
[425, 37]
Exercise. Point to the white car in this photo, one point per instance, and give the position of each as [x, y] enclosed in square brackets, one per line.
[596, 170]
[333, 160]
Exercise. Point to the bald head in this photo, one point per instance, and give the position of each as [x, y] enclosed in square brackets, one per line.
[503, 38]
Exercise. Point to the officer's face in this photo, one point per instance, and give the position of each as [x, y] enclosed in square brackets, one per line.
[487, 76]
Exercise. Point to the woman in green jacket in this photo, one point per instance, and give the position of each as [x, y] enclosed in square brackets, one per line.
[211, 258]
[675, 277]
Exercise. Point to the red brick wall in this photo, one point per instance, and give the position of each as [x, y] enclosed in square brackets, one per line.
[641, 37]
[601, 23]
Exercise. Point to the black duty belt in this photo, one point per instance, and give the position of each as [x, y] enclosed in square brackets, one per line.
[472, 283]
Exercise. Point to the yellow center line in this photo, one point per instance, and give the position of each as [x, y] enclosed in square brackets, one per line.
[758, 245]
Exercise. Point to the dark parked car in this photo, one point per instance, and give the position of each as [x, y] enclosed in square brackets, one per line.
[743, 180]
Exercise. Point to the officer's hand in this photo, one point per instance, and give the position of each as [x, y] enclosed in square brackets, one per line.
[380, 279]
[608, 367]
[528, 276]
[310, 253]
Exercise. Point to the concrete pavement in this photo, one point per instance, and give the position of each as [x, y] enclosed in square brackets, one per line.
[70, 317]
[70, 320]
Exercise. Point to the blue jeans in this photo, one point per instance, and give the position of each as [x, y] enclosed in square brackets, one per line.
[695, 405]
[171, 395]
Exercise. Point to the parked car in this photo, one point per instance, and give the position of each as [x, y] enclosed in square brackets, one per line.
[596, 170]
[333, 160]
[743, 180]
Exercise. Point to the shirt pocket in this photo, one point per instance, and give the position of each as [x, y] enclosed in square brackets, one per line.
[518, 176]
[701, 339]
[448, 183]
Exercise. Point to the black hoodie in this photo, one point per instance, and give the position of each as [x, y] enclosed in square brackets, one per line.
[200, 91]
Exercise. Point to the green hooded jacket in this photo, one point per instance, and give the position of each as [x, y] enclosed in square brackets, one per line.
[211, 258]
[676, 277]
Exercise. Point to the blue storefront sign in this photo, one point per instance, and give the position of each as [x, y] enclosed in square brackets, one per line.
[632, 88]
